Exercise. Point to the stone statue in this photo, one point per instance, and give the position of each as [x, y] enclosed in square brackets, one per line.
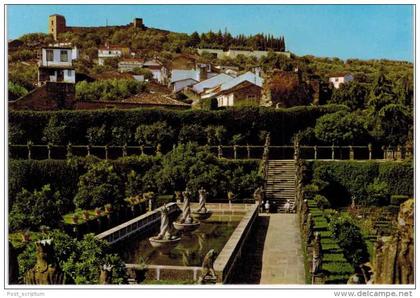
[45, 272]
[304, 214]
[353, 203]
[202, 193]
[317, 255]
[309, 229]
[258, 195]
[208, 275]
[105, 278]
[186, 209]
[164, 224]
[178, 196]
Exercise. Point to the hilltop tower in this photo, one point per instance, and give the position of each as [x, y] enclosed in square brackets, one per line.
[138, 23]
[56, 25]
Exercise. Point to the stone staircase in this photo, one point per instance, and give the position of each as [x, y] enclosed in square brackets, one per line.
[280, 184]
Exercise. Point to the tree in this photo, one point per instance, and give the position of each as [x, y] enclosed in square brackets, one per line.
[99, 186]
[33, 209]
[154, 134]
[16, 91]
[351, 94]
[381, 94]
[215, 134]
[341, 128]
[96, 135]
[80, 260]
[192, 133]
[194, 39]
[55, 131]
[350, 239]
[389, 120]
[148, 75]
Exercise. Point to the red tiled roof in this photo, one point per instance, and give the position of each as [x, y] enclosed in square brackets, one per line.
[154, 99]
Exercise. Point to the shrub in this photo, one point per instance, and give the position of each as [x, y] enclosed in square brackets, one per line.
[397, 200]
[350, 239]
[215, 134]
[399, 176]
[377, 193]
[192, 133]
[309, 191]
[33, 209]
[341, 128]
[114, 89]
[80, 260]
[322, 202]
[154, 134]
[100, 185]
[34, 174]
[96, 135]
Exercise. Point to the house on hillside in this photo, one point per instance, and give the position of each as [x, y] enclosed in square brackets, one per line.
[340, 78]
[129, 64]
[159, 71]
[211, 83]
[111, 51]
[56, 64]
[181, 78]
[244, 88]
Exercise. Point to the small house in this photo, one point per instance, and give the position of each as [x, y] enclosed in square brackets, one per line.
[340, 78]
[56, 64]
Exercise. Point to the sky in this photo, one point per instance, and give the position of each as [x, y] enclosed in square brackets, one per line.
[343, 31]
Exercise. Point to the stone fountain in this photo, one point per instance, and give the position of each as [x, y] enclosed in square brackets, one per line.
[202, 213]
[186, 223]
[165, 241]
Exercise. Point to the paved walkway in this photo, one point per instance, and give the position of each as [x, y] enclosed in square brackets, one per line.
[282, 261]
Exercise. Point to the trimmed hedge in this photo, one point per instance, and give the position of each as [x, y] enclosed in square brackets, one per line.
[340, 180]
[282, 123]
[63, 175]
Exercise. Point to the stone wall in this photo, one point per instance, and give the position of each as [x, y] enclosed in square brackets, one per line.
[227, 259]
[394, 255]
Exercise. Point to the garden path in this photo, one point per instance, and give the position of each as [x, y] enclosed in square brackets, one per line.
[282, 260]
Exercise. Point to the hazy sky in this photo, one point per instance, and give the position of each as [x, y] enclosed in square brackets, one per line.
[344, 31]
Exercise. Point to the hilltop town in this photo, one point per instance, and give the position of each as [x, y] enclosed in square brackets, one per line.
[176, 70]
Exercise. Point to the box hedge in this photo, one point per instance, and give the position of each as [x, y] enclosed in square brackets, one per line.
[343, 179]
[282, 123]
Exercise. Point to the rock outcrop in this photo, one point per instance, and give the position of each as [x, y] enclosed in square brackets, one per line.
[394, 261]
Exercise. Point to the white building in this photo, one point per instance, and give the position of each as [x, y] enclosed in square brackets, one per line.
[181, 78]
[56, 64]
[211, 83]
[111, 51]
[339, 79]
[160, 72]
[126, 65]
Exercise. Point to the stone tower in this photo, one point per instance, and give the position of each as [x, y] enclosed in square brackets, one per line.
[138, 23]
[56, 25]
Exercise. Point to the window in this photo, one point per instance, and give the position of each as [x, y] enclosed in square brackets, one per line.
[69, 73]
[336, 79]
[50, 55]
[64, 56]
[252, 97]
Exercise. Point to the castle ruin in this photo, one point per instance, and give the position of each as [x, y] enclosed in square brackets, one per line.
[57, 25]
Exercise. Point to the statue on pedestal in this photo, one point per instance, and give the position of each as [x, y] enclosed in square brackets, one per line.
[202, 193]
[45, 271]
[317, 255]
[208, 274]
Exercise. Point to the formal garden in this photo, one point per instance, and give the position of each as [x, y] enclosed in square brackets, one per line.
[86, 179]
